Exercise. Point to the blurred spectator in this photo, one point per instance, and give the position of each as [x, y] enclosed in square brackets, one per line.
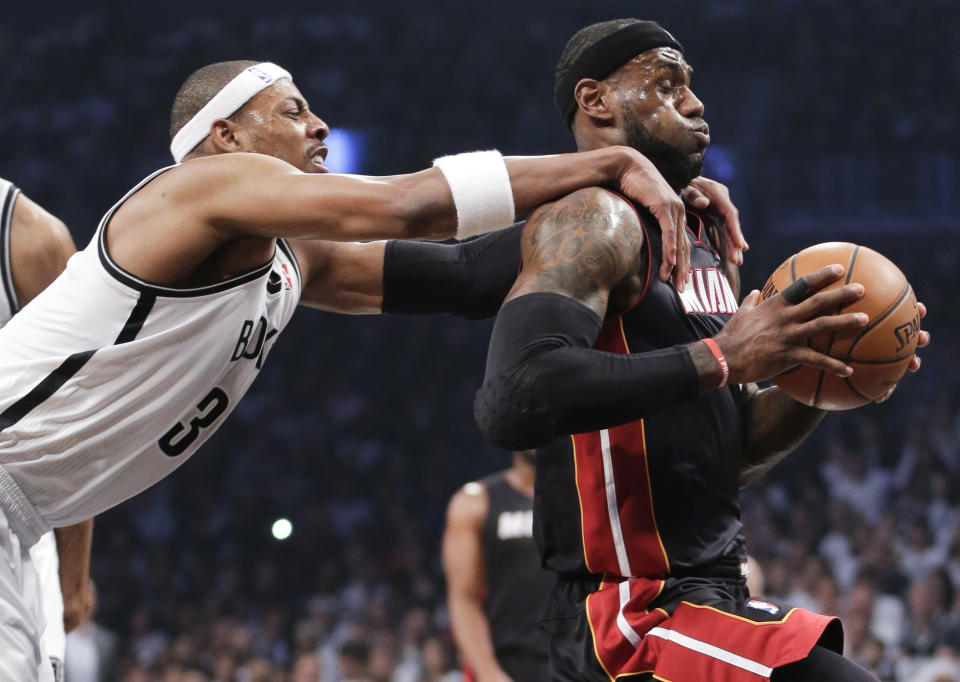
[354, 656]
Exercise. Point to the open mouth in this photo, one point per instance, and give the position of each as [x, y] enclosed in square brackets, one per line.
[318, 156]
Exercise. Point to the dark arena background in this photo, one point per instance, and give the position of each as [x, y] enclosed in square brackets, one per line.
[830, 121]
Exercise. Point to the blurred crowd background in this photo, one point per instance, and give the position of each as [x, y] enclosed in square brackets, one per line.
[830, 120]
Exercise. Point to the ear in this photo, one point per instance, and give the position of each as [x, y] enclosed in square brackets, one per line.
[596, 100]
[226, 136]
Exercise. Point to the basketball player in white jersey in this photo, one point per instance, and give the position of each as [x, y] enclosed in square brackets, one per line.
[118, 371]
[34, 248]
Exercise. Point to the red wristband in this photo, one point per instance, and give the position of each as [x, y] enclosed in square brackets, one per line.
[721, 360]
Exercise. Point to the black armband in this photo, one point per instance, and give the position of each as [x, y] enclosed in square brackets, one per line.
[469, 278]
[544, 380]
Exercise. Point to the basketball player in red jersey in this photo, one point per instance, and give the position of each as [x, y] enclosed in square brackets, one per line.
[34, 248]
[638, 511]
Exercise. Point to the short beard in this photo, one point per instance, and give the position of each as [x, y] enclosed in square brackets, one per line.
[676, 167]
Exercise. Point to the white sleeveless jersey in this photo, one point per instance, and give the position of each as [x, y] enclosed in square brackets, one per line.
[8, 296]
[108, 383]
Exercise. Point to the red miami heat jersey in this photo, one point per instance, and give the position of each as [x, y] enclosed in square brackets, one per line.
[659, 494]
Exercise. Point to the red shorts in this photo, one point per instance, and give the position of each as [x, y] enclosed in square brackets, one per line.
[677, 630]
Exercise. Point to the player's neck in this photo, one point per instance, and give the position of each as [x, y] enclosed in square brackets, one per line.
[521, 476]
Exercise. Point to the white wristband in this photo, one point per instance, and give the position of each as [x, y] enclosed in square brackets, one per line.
[481, 191]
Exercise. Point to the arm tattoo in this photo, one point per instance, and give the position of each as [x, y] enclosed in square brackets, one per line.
[582, 246]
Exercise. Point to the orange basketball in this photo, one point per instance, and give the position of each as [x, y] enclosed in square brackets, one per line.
[878, 353]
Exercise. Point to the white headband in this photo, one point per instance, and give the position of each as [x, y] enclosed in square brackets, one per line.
[234, 95]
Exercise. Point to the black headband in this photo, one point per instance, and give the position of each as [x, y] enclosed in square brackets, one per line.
[606, 56]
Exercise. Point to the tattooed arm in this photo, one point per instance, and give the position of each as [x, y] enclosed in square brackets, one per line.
[542, 378]
[582, 247]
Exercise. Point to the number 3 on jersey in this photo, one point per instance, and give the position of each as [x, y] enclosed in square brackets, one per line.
[174, 442]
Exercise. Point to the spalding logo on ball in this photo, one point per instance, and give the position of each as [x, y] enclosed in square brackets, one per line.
[878, 353]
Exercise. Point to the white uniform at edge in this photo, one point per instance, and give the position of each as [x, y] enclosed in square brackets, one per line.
[43, 554]
[131, 412]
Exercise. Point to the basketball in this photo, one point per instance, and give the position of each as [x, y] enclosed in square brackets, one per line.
[879, 353]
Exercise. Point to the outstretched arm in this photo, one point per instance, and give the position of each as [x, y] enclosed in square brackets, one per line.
[257, 195]
[469, 278]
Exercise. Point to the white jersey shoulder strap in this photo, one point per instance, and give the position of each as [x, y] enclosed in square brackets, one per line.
[8, 294]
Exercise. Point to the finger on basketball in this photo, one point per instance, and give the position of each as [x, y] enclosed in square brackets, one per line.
[923, 339]
[751, 300]
[914, 363]
[808, 356]
[813, 282]
[827, 302]
[846, 322]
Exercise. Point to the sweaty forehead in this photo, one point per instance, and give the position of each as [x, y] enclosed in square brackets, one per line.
[658, 57]
[274, 94]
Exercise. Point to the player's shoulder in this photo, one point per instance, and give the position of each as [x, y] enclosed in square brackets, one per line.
[236, 162]
[589, 214]
[469, 504]
[219, 171]
[598, 206]
[38, 236]
[596, 230]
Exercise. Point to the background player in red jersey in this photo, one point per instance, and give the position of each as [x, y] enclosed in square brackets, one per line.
[638, 512]
[34, 248]
[496, 588]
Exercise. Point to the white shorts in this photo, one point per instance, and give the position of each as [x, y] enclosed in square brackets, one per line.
[47, 563]
[22, 657]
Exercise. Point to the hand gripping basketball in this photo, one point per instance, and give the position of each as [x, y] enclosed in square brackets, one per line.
[879, 353]
[766, 337]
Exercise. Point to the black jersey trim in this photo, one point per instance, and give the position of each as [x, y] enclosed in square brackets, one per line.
[698, 235]
[153, 288]
[288, 251]
[138, 316]
[6, 262]
[46, 388]
[51, 383]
